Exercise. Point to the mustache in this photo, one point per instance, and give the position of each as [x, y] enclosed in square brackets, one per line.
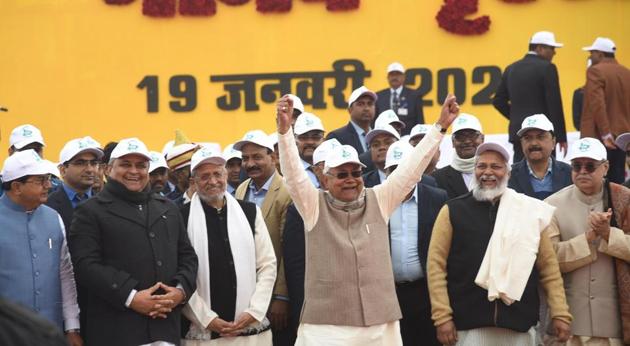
[253, 168]
[534, 148]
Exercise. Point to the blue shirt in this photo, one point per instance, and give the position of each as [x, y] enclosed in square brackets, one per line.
[230, 189]
[310, 173]
[259, 196]
[74, 197]
[404, 241]
[361, 133]
[381, 175]
[542, 187]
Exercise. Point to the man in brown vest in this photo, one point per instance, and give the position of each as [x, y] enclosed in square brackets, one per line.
[350, 297]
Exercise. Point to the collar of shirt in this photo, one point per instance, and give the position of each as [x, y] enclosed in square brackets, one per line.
[72, 193]
[265, 187]
[310, 173]
[397, 90]
[531, 173]
[414, 196]
[230, 189]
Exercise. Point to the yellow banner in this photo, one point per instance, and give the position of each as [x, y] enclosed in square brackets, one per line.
[85, 67]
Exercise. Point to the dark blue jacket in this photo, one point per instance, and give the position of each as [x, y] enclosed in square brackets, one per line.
[348, 136]
[519, 180]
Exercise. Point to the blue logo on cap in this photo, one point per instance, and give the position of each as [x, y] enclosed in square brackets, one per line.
[531, 122]
[345, 154]
[132, 146]
[397, 154]
[26, 132]
[584, 146]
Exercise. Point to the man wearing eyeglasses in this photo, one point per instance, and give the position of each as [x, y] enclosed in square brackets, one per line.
[540, 174]
[591, 236]
[350, 296]
[36, 270]
[457, 177]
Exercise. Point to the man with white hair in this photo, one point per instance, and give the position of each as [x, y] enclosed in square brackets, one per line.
[590, 231]
[350, 296]
[487, 257]
[237, 265]
[403, 101]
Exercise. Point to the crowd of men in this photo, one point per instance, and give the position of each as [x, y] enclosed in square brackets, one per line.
[349, 238]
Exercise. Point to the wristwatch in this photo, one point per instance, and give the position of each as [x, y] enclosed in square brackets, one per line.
[442, 129]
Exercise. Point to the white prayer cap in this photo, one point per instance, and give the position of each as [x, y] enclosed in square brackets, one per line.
[156, 161]
[341, 155]
[396, 153]
[24, 135]
[536, 121]
[206, 155]
[490, 146]
[384, 129]
[358, 92]
[388, 117]
[322, 150]
[419, 129]
[587, 147]
[80, 145]
[307, 122]
[466, 121]
[297, 103]
[27, 162]
[230, 153]
[545, 37]
[623, 140]
[257, 137]
[129, 146]
[395, 67]
[602, 44]
[167, 147]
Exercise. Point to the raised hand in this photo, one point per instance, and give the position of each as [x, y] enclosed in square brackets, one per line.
[450, 110]
[284, 113]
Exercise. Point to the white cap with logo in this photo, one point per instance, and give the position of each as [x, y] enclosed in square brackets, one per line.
[341, 155]
[130, 146]
[384, 129]
[388, 117]
[258, 137]
[490, 146]
[602, 44]
[24, 135]
[536, 121]
[358, 92]
[27, 162]
[419, 129]
[545, 37]
[587, 147]
[307, 122]
[206, 155]
[156, 161]
[230, 153]
[466, 121]
[80, 145]
[396, 153]
[322, 150]
[395, 67]
[297, 103]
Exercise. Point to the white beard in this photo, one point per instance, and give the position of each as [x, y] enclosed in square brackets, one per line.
[488, 194]
[211, 198]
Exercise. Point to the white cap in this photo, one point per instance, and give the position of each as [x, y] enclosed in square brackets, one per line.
[322, 150]
[297, 103]
[26, 162]
[395, 66]
[167, 147]
[466, 121]
[536, 121]
[360, 91]
[419, 129]
[257, 137]
[156, 161]
[341, 155]
[623, 140]
[78, 146]
[396, 153]
[212, 145]
[384, 129]
[587, 147]
[602, 44]
[130, 146]
[24, 135]
[230, 153]
[388, 117]
[545, 37]
[273, 139]
[490, 146]
[206, 155]
[307, 122]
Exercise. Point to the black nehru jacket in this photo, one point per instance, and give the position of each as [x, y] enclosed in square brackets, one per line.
[473, 222]
[222, 272]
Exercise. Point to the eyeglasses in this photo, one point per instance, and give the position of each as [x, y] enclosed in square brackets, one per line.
[40, 179]
[589, 167]
[85, 163]
[345, 175]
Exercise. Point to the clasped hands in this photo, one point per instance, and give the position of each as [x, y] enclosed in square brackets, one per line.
[599, 223]
[146, 302]
[226, 329]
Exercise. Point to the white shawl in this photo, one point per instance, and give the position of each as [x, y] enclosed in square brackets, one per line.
[243, 249]
[513, 247]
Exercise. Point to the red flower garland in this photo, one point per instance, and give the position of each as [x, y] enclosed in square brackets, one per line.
[197, 7]
[342, 5]
[158, 8]
[451, 18]
[234, 2]
[266, 6]
[118, 2]
[518, 1]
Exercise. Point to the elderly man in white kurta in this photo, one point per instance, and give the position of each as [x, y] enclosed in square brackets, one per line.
[350, 298]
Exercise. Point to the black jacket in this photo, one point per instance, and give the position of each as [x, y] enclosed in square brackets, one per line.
[451, 180]
[530, 86]
[409, 100]
[348, 136]
[59, 201]
[118, 246]
[519, 179]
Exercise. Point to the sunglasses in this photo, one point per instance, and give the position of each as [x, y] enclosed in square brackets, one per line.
[345, 175]
[589, 167]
